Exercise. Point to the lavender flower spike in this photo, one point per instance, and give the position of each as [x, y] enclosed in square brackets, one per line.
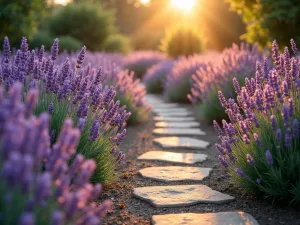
[6, 50]
[54, 49]
[239, 172]
[250, 159]
[269, 157]
[81, 57]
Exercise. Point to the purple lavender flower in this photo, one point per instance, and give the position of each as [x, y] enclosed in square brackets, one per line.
[41, 53]
[288, 139]
[239, 172]
[276, 54]
[278, 135]
[51, 108]
[95, 129]
[294, 47]
[6, 50]
[250, 159]
[81, 57]
[222, 99]
[269, 157]
[286, 115]
[256, 138]
[295, 128]
[273, 122]
[54, 49]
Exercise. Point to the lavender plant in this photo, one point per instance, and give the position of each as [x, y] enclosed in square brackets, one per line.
[260, 145]
[235, 62]
[132, 94]
[179, 81]
[139, 62]
[38, 185]
[128, 89]
[156, 75]
[70, 90]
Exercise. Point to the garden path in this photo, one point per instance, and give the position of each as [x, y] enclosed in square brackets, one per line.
[177, 129]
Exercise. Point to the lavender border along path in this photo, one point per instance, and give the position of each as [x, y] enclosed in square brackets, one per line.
[173, 117]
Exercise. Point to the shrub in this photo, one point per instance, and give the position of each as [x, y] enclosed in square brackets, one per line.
[259, 147]
[88, 23]
[178, 83]
[181, 40]
[42, 37]
[117, 43]
[70, 44]
[69, 90]
[155, 76]
[38, 185]
[139, 62]
[66, 43]
[233, 62]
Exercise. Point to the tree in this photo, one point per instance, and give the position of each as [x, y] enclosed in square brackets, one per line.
[20, 18]
[267, 20]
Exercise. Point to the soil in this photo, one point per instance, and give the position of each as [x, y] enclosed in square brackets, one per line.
[128, 210]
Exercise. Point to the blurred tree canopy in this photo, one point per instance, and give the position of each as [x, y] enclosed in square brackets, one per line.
[86, 22]
[20, 18]
[146, 24]
[267, 20]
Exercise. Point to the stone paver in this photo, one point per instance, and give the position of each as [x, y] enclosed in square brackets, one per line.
[174, 157]
[176, 173]
[178, 131]
[173, 119]
[169, 110]
[166, 105]
[181, 142]
[221, 218]
[187, 124]
[175, 114]
[180, 195]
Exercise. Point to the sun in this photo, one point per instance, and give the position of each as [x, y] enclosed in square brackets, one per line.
[184, 5]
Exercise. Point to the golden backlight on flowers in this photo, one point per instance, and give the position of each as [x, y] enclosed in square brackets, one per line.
[184, 5]
[145, 2]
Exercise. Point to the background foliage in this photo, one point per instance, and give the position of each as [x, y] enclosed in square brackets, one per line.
[267, 20]
[20, 18]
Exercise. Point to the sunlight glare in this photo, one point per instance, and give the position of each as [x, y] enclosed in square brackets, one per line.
[145, 2]
[185, 5]
[62, 2]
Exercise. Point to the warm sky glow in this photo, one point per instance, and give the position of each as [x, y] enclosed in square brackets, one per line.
[62, 2]
[145, 2]
[185, 5]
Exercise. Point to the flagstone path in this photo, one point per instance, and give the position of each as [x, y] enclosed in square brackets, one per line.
[174, 124]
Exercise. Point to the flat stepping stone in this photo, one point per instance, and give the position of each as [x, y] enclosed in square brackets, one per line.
[187, 124]
[176, 173]
[173, 119]
[181, 142]
[178, 131]
[180, 195]
[174, 157]
[175, 114]
[168, 110]
[166, 105]
[221, 218]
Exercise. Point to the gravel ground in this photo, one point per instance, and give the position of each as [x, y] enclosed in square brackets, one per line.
[128, 210]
